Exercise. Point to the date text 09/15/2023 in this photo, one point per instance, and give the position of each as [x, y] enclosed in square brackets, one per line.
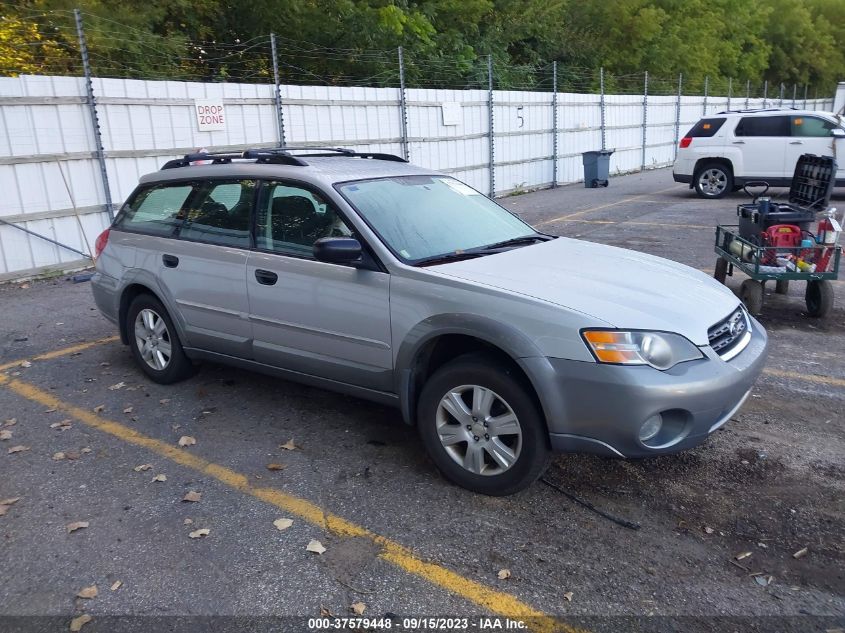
[417, 623]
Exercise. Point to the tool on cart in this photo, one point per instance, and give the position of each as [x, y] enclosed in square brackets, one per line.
[785, 241]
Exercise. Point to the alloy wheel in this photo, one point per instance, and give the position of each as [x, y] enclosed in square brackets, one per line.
[153, 339]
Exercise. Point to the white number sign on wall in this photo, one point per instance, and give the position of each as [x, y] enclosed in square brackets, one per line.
[210, 115]
[451, 111]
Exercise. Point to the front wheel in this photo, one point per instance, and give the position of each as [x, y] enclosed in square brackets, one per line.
[482, 427]
[154, 342]
[713, 180]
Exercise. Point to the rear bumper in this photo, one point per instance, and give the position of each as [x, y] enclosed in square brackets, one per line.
[106, 295]
[598, 408]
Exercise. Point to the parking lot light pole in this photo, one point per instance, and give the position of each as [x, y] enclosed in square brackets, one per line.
[554, 124]
[678, 112]
[645, 119]
[277, 94]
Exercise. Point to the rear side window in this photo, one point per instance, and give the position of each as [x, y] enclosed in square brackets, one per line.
[705, 128]
[219, 213]
[811, 126]
[763, 126]
[155, 210]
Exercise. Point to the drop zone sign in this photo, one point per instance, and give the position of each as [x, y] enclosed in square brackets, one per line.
[210, 115]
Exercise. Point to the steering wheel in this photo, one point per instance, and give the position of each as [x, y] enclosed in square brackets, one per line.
[754, 184]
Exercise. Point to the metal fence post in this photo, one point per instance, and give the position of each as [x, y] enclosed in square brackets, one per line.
[490, 124]
[780, 98]
[706, 88]
[601, 107]
[805, 95]
[794, 93]
[277, 93]
[747, 93]
[645, 119]
[554, 124]
[403, 107]
[730, 92]
[678, 113]
[765, 92]
[92, 110]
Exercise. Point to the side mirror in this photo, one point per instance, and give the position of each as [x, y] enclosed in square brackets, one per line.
[337, 250]
[838, 132]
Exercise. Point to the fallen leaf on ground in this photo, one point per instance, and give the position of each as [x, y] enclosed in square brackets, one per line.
[358, 608]
[10, 422]
[324, 612]
[164, 401]
[99, 408]
[5, 434]
[116, 386]
[85, 450]
[200, 533]
[315, 546]
[72, 455]
[193, 496]
[128, 410]
[568, 596]
[78, 622]
[64, 424]
[20, 448]
[52, 410]
[187, 522]
[289, 445]
[88, 592]
[276, 466]
[742, 555]
[116, 585]
[58, 456]
[283, 524]
[8, 502]
[78, 525]
[187, 440]
[142, 467]
[708, 530]
[764, 580]
[160, 477]
[504, 573]
[26, 364]
[801, 552]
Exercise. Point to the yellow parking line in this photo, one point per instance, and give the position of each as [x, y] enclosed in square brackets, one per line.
[497, 602]
[603, 206]
[61, 352]
[666, 225]
[822, 380]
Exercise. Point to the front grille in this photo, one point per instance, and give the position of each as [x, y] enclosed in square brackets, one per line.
[729, 336]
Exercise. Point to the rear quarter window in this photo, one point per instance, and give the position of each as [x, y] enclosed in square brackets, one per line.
[155, 210]
[705, 128]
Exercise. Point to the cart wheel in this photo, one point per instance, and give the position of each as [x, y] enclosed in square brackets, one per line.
[751, 294]
[782, 286]
[819, 298]
[721, 272]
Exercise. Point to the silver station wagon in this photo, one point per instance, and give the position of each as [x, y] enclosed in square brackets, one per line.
[364, 274]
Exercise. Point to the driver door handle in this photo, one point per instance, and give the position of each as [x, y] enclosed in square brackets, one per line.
[739, 142]
[266, 277]
[796, 142]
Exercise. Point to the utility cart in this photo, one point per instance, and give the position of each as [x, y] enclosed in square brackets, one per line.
[783, 242]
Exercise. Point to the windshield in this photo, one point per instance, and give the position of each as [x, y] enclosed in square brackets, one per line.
[421, 217]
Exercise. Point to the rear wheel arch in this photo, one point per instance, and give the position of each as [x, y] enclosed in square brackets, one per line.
[130, 292]
[701, 162]
[713, 165]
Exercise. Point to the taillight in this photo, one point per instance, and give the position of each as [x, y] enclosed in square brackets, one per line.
[100, 244]
[686, 141]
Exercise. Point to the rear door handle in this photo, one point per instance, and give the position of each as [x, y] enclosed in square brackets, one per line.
[796, 142]
[171, 261]
[739, 142]
[266, 277]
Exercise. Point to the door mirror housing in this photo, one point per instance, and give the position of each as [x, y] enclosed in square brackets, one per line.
[838, 132]
[337, 250]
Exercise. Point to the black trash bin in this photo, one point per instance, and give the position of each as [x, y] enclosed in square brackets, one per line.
[597, 168]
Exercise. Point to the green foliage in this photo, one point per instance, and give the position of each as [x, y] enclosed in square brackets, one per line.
[446, 42]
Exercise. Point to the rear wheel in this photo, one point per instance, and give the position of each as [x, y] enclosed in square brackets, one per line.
[154, 342]
[713, 180]
[751, 294]
[819, 298]
[481, 426]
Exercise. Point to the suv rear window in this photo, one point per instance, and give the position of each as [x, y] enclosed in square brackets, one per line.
[155, 210]
[705, 128]
[763, 126]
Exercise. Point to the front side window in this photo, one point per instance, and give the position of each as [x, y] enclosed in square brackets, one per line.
[291, 218]
[155, 210]
[422, 217]
[763, 126]
[811, 126]
[219, 213]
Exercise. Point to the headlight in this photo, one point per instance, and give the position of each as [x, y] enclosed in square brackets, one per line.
[661, 350]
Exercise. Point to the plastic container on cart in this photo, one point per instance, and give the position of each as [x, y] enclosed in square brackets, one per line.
[812, 185]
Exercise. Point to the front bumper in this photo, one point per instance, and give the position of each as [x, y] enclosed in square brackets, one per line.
[596, 408]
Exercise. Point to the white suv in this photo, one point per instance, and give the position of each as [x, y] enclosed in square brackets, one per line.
[724, 151]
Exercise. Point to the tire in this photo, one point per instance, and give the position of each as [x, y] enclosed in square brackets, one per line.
[720, 274]
[751, 294]
[782, 286]
[713, 180]
[496, 464]
[159, 354]
[819, 298]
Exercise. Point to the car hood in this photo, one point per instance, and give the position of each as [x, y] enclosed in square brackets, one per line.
[625, 289]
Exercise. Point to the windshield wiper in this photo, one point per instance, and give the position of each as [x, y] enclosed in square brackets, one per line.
[450, 257]
[515, 241]
[489, 249]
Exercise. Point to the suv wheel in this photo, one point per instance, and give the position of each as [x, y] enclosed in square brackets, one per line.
[713, 180]
[154, 342]
[482, 427]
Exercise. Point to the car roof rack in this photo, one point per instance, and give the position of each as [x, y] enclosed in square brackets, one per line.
[277, 155]
[753, 110]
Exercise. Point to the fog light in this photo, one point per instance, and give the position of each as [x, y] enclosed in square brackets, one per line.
[651, 427]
